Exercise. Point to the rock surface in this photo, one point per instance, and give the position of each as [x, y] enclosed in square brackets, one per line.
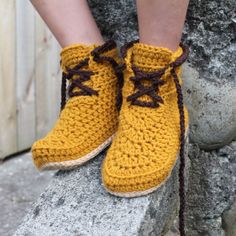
[18, 178]
[116, 19]
[212, 191]
[212, 110]
[229, 220]
[210, 31]
[76, 204]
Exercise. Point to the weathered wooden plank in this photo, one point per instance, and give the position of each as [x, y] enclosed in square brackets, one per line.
[47, 75]
[25, 65]
[54, 81]
[8, 131]
[29, 77]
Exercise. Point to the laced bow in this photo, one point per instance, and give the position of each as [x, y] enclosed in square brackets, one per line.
[78, 74]
[152, 90]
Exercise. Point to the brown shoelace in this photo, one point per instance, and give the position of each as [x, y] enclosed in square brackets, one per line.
[77, 75]
[152, 90]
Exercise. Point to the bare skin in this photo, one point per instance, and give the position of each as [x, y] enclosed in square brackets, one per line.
[70, 21]
[161, 22]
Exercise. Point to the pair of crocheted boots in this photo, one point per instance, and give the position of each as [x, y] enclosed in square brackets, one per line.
[147, 132]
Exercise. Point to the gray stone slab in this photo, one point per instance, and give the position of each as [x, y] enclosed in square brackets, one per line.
[212, 191]
[212, 110]
[75, 203]
[20, 185]
[229, 220]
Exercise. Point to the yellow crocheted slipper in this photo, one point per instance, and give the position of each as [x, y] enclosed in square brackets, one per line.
[88, 119]
[153, 122]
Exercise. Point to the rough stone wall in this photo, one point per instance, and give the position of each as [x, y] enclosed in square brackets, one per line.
[210, 30]
[212, 191]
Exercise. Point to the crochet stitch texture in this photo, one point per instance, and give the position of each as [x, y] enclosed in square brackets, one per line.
[89, 119]
[146, 146]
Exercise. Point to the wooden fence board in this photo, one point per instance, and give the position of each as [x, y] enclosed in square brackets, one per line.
[29, 77]
[25, 66]
[47, 79]
[8, 131]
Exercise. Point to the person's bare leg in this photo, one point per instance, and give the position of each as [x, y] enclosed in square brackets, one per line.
[69, 20]
[161, 22]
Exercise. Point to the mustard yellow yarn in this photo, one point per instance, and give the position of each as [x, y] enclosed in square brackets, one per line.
[86, 121]
[145, 148]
